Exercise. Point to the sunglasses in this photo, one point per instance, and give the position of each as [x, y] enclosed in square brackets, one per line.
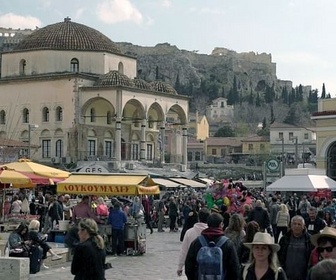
[321, 249]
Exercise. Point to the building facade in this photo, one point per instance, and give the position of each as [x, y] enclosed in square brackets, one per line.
[297, 143]
[325, 120]
[69, 90]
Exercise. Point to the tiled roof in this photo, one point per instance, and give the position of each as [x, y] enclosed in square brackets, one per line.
[67, 35]
[256, 138]
[282, 125]
[114, 78]
[224, 141]
[4, 142]
[163, 87]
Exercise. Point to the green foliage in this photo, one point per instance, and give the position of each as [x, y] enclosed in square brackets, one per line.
[323, 95]
[225, 131]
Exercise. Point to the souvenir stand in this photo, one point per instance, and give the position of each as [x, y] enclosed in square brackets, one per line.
[115, 184]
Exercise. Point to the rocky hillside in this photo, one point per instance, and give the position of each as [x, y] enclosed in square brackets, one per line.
[206, 77]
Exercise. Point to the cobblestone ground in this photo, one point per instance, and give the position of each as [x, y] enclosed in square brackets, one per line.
[159, 262]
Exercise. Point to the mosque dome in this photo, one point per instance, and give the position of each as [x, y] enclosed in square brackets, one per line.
[114, 78]
[141, 84]
[67, 35]
[163, 87]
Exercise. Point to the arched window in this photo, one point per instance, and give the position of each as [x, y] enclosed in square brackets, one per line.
[108, 117]
[45, 114]
[22, 67]
[93, 115]
[150, 122]
[59, 114]
[74, 65]
[2, 117]
[121, 68]
[59, 148]
[25, 115]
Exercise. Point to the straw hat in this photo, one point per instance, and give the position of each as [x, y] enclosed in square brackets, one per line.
[326, 232]
[261, 238]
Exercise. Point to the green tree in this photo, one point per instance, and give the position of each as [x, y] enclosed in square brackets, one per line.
[272, 115]
[225, 131]
[157, 75]
[323, 94]
[250, 98]
[258, 101]
[177, 83]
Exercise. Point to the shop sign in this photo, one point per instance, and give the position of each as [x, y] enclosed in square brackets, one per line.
[94, 169]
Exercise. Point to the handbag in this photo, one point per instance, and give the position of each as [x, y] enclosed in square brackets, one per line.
[20, 252]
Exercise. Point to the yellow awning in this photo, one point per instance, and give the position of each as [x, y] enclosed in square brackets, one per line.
[108, 184]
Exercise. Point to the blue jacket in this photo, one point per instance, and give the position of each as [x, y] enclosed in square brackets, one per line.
[117, 218]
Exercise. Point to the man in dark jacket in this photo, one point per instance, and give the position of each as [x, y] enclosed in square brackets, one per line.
[230, 259]
[260, 215]
[295, 249]
[314, 223]
[117, 218]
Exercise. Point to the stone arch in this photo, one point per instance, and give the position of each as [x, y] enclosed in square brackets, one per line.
[133, 112]
[58, 132]
[74, 65]
[155, 115]
[103, 110]
[177, 115]
[331, 161]
[45, 133]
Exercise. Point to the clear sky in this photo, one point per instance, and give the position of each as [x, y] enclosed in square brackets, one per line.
[300, 34]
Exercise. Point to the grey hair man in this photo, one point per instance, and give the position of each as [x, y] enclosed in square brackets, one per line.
[295, 249]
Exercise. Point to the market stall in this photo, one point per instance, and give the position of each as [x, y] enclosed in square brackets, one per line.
[24, 174]
[109, 184]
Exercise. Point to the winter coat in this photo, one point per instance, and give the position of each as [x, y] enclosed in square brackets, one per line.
[230, 259]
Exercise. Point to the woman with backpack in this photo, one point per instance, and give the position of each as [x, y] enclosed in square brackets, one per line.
[263, 263]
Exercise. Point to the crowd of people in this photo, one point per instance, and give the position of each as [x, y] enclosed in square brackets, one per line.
[273, 237]
[268, 237]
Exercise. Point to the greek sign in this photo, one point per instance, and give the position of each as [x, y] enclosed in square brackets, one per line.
[273, 165]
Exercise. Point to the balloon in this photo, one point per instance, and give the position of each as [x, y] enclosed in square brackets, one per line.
[226, 201]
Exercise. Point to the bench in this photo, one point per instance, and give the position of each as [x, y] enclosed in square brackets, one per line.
[14, 268]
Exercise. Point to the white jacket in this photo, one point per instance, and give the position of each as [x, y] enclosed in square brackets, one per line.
[190, 235]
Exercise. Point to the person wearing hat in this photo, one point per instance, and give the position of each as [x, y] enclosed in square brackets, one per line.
[263, 263]
[325, 243]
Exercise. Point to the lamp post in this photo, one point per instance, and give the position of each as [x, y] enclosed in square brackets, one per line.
[295, 138]
[30, 127]
[282, 156]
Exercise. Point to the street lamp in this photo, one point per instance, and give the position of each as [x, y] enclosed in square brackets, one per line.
[30, 127]
[296, 149]
[282, 155]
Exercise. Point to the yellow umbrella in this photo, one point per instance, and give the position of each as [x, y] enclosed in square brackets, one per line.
[27, 166]
[20, 179]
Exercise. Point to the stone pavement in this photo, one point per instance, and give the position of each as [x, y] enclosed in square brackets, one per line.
[159, 262]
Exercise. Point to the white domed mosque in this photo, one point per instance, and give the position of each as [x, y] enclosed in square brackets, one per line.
[69, 91]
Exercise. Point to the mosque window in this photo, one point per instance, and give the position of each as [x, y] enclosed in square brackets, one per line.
[74, 65]
[59, 148]
[59, 114]
[92, 115]
[46, 148]
[25, 115]
[22, 67]
[121, 68]
[45, 114]
[2, 117]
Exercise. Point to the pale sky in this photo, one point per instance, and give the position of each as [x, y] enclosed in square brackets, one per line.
[298, 33]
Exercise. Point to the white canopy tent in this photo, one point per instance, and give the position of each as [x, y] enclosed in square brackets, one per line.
[303, 180]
